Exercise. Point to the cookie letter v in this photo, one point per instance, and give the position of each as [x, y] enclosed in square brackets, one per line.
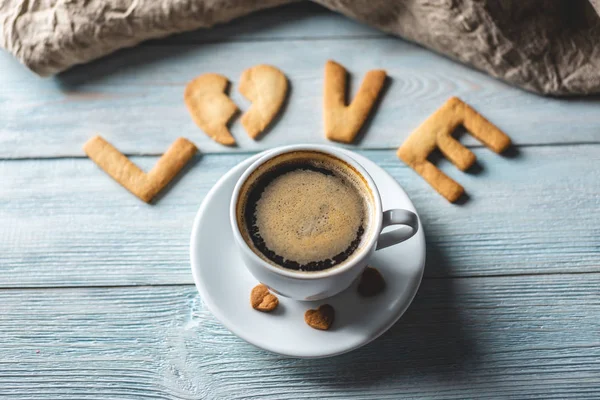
[342, 122]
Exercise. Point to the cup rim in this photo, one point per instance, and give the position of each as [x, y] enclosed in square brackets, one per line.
[331, 151]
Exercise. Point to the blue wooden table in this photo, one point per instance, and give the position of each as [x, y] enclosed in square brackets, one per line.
[96, 294]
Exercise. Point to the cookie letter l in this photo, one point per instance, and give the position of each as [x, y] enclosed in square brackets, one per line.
[145, 186]
[342, 122]
[436, 131]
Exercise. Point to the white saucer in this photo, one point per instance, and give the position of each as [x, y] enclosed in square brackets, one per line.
[224, 282]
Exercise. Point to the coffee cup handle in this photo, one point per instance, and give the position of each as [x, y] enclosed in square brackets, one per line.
[397, 217]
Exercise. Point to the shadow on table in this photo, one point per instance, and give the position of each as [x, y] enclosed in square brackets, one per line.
[430, 339]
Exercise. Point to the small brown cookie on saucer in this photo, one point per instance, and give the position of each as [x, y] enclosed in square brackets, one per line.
[321, 318]
[371, 282]
[263, 300]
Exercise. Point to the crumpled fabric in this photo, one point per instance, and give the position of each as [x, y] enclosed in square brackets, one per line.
[549, 47]
[49, 36]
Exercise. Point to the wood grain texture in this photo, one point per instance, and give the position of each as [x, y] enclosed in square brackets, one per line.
[134, 98]
[509, 306]
[517, 337]
[66, 223]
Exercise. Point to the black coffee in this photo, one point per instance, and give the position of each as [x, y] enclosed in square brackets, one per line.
[305, 211]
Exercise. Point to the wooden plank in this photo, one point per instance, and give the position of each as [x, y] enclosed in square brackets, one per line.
[65, 223]
[134, 98]
[518, 337]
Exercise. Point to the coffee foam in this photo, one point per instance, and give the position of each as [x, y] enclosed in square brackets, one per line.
[311, 209]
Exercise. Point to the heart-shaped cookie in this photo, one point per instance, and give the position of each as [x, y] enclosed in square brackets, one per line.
[263, 300]
[371, 282]
[321, 318]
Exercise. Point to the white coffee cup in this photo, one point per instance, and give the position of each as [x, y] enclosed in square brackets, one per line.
[318, 285]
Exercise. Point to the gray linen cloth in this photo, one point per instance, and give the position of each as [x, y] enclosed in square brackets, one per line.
[545, 46]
